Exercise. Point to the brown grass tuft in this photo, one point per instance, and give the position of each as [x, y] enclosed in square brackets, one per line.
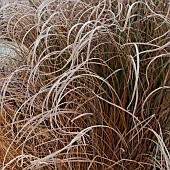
[90, 87]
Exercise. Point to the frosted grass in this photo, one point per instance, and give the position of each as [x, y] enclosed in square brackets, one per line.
[6, 52]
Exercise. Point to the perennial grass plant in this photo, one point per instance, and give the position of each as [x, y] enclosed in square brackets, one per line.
[90, 88]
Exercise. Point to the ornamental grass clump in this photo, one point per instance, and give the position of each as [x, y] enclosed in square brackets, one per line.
[90, 88]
